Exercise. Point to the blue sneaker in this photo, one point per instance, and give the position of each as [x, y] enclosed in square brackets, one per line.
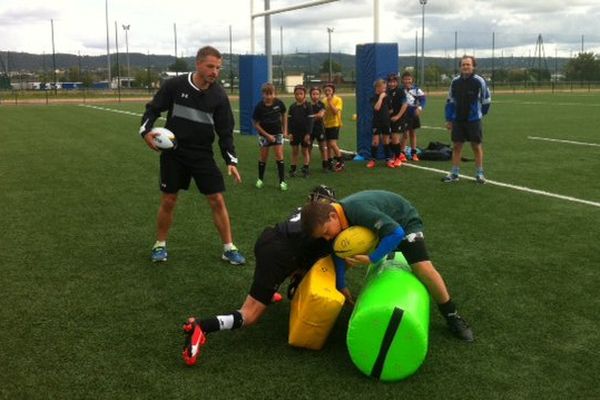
[159, 254]
[480, 178]
[234, 257]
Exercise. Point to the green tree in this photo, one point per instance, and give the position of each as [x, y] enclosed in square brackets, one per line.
[180, 65]
[433, 73]
[335, 67]
[585, 67]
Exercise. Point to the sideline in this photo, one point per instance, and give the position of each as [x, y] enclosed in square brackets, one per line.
[563, 141]
[440, 171]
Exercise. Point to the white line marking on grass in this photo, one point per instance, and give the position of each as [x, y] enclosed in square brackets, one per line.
[488, 182]
[563, 141]
[543, 103]
[124, 112]
[510, 186]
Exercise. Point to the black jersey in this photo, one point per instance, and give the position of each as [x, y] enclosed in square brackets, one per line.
[381, 118]
[299, 120]
[306, 248]
[318, 126]
[194, 115]
[397, 98]
[269, 117]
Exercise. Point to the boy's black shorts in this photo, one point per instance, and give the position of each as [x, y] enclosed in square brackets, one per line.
[409, 123]
[332, 133]
[274, 263]
[413, 248]
[467, 132]
[297, 140]
[318, 134]
[177, 172]
[383, 130]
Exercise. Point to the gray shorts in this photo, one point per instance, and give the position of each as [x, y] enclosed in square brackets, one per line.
[467, 132]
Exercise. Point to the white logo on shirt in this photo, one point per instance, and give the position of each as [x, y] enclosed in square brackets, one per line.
[184, 95]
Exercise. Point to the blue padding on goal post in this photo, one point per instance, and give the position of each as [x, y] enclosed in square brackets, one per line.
[373, 61]
[253, 73]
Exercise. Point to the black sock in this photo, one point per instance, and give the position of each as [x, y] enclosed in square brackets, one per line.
[386, 151]
[261, 170]
[230, 321]
[292, 168]
[325, 164]
[374, 152]
[280, 170]
[397, 150]
[447, 309]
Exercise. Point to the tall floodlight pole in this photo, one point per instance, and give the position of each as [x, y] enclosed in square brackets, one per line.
[376, 21]
[126, 29]
[329, 32]
[268, 51]
[53, 56]
[175, 38]
[423, 3]
[107, 43]
[118, 66]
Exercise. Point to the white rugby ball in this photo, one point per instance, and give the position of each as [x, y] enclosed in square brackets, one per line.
[165, 139]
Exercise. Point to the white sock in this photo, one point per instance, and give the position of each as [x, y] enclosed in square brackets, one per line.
[160, 243]
[229, 246]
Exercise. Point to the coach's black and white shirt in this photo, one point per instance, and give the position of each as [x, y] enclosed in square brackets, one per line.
[194, 115]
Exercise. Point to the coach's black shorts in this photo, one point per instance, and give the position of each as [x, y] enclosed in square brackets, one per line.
[467, 132]
[332, 133]
[177, 172]
[413, 248]
[274, 262]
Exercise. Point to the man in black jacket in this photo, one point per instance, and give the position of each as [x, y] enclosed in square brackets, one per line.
[197, 107]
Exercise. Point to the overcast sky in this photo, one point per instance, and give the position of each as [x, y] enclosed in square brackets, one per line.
[80, 26]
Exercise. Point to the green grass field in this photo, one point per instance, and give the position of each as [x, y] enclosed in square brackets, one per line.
[84, 314]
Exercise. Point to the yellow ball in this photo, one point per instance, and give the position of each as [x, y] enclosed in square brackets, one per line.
[353, 241]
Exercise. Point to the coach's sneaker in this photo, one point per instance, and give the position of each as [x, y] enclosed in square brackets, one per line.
[283, 186]
[234, 257]
[459, 327]
[371, 164]
[480, 178]
[259, 184]
[194, 339]
[159, 254]
[450, 178]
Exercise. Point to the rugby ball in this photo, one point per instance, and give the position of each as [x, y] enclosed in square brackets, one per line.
[353, 241]
[165, 139]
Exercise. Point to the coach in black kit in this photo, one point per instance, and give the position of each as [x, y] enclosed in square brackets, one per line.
[197, 108]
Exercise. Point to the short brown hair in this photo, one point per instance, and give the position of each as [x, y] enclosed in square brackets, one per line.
[405, 74]
[378, 82]
[267, 88]
[207, 51]
[300, 87]
[467, 56]
[314, 215]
